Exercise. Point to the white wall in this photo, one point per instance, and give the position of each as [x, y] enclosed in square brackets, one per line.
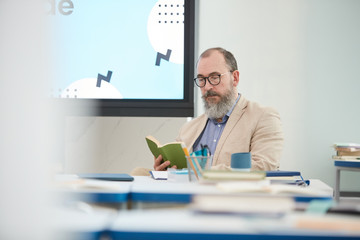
[300, 56]
[114, 144]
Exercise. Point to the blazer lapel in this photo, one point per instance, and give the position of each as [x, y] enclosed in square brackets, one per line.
[199, 128]
[234, 118]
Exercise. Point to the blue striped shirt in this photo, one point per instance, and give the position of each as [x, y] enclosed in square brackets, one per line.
[212, 132]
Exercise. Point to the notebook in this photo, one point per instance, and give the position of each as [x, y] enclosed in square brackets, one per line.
[281, 173]
[107, 176]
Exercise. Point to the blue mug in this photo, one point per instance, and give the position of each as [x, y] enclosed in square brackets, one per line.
[241, 161]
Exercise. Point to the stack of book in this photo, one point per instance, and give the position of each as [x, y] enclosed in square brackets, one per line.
[347, 151]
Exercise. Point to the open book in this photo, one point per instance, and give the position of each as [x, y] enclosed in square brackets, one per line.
[172, 152]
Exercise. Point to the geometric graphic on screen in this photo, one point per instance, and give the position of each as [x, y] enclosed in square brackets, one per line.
[162, 56]
[102, 77]
[166, 30]
[86, 88]
[134, 57]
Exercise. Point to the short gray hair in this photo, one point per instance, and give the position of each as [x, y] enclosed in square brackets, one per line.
[228, 56]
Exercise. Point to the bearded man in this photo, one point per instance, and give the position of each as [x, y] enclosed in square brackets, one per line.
[231, 123]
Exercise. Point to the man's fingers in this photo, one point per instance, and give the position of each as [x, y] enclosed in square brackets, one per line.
[159, 165]
[157, 161]
[162, 166]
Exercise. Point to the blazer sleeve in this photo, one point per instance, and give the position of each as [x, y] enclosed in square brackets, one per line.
[267, 141]
[190, 131]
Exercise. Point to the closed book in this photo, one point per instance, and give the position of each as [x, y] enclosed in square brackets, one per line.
[242, 205]
[286, 177]
[281, 173]
[107, 176]
[347, 147]
[346, 158]
[348, 153]
[219, 175]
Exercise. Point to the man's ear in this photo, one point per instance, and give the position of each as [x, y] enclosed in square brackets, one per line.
[236, 76]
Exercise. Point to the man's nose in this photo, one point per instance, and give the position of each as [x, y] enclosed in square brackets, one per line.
[208, 86]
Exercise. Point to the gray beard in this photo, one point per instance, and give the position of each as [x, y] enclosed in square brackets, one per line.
[218, 110]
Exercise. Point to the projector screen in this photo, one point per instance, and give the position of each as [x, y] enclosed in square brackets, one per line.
[123, 58]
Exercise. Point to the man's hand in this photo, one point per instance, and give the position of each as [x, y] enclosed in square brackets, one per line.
[159, 166]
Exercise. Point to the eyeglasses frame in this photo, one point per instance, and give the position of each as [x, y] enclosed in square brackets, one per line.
[208, 79]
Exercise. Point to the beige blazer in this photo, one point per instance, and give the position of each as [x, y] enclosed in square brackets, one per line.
[250, 128]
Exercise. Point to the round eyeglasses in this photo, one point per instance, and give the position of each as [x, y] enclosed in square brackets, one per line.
[212, 79]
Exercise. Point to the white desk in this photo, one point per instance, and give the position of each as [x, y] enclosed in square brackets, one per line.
[182, 223]
[71, 188]
[144, 189]
[185, 224]
[148, 190]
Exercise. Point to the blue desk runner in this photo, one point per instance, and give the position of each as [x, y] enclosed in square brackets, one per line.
[161, 197]
[97, 197]
[351, 164]
[125, 235]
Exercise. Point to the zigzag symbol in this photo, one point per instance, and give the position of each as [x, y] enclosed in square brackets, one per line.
[102, 77]
[162, 56]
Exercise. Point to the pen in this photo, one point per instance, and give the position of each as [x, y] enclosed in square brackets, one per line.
[188, 155]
